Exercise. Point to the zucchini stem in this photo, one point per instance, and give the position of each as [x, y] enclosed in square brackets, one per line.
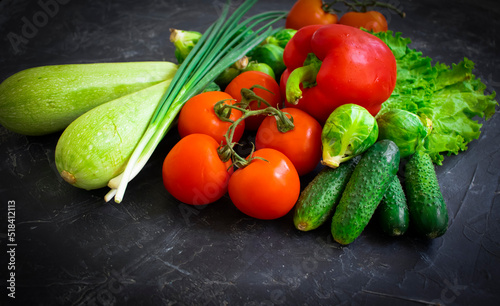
[68, 177]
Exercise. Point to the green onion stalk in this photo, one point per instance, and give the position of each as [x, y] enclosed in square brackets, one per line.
[223, 43]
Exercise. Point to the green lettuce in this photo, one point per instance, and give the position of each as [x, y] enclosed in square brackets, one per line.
[451, 97]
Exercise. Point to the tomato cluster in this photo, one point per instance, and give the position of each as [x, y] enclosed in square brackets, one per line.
[313, 12]
[271, 93]
[266, 183]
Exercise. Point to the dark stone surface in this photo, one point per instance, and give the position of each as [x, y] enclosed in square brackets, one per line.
[75, 249]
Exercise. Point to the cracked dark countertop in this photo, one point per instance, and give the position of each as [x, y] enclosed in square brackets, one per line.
[75, 249]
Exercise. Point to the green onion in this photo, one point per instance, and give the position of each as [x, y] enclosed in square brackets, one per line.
[224, 42]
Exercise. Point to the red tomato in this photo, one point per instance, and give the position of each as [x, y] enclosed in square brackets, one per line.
[198, 116]
[193, 172]
[371, 20]
[248, 79]
[265, 189]
[302, 145]
[308, 12]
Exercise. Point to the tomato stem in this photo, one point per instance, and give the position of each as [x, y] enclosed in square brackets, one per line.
[223, 113]
[226, 151]
[328, 8]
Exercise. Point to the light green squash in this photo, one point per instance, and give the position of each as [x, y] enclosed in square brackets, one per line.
[46, 99]
[96, 146]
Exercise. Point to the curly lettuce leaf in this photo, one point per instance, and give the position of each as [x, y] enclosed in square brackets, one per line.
[451, 97]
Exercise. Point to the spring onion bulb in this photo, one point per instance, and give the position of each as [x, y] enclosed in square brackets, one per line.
[225, 41]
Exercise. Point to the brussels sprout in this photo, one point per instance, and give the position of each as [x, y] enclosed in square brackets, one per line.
[280, 38]
[349, 131]
[406, 129]
[269, 54]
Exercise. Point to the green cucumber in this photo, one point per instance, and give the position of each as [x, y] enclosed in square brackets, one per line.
[428, 212]
[392, 212]
[318, 200]
[46, 99]
[364, 191]
[95, 147]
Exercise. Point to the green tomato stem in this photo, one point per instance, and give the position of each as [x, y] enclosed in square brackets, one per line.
[226, 152]
[223, 112]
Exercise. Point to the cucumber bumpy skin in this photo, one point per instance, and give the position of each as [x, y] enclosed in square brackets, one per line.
[318, 200]
[364, 191]
[392, 213]
[428, 212]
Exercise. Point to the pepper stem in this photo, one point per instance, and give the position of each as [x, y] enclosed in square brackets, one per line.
[305, 76]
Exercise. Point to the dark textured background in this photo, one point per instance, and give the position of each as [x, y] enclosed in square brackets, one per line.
[73, 248]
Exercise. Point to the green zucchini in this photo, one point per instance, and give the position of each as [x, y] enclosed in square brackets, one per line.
[364, 191]
[318, 200]
[95, 147]
[428, 212]
[46, 99]
[392, 212]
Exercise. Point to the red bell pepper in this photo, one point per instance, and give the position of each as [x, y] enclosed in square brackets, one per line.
[332, 65]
